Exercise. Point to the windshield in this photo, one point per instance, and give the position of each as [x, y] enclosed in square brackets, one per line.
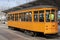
[50, 16]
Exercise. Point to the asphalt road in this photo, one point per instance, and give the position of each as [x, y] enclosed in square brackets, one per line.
[8, 34]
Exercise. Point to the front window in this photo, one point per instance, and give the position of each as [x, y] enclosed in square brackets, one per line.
[50, 16]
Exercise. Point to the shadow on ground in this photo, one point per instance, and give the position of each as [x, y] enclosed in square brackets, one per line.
[41, 35]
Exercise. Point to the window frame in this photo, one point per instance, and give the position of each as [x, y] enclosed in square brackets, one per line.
[54, 15]
[16, 17]
[48, 15]
[37, 16]
[25, 15]
[43, 16]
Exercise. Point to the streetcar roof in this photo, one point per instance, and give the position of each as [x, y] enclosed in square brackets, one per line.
[27, 6]
[35, 3]
[23, 8]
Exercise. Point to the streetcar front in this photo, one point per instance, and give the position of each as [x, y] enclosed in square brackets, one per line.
[51, 25]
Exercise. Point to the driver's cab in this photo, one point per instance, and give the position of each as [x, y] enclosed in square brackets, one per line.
[51, 21]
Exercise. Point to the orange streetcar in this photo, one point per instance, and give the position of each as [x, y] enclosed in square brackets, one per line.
[41, 18]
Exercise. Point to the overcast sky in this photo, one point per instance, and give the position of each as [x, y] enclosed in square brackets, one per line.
[4, 4]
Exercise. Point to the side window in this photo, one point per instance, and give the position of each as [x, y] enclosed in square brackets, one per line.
[30, 16]
[16, 17]
[22, 17]
[12, 17]
[26, 16]
[47, 15]
[41, 16]
[8, 17]
[36, 16]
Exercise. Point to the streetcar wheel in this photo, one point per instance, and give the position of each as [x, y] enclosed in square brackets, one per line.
[30, 33]
[12, 28]
[26, 32]
[9, 27]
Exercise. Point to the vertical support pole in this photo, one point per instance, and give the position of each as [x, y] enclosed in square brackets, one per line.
[44, 15]
[32, 16]
[18, 16]
[55, 16]
[38, 16]
[14, 17]
[50, 13]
